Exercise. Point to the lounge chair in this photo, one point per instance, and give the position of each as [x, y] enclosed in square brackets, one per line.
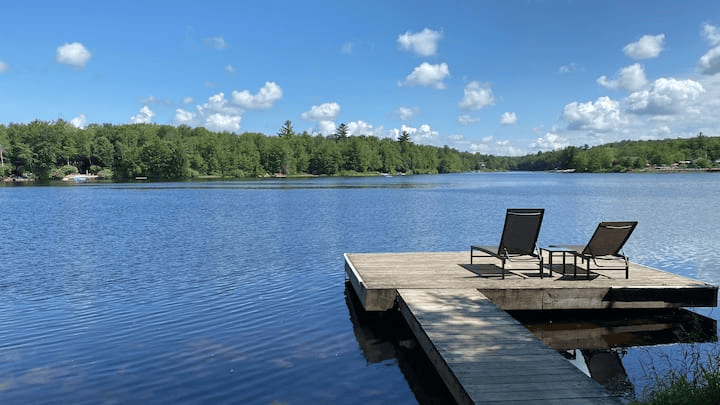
[605, 244]
[519, 237]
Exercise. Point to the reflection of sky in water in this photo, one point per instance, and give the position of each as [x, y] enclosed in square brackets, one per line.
[205, 291]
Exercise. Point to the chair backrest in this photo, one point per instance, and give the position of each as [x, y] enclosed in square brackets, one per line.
[521, 230]
[609, 238]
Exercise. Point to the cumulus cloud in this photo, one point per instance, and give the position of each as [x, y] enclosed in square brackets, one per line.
[361, 127]
[711, 34]
[710, 62]
[423, 43]
[647, 47]
[466, 120]
[187, 100]
[631, 78]
[508, 118]
[477, 96]
[80, 121]
[265, 98]
[427, 75]
[550, 141]
[230, 69]
[326, 111]
[184, 117]
[665, 96]
[422, 134]
[325, 115]
[405, 113]
[223, 122]
[144, 116]
[602, 115]
[217, 114]
[4, 67]
[74, 54]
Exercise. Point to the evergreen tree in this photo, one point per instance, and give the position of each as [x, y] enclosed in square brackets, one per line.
[287, 130]
[342, 132]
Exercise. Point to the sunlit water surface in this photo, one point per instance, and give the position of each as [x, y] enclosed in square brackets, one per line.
[234, 291]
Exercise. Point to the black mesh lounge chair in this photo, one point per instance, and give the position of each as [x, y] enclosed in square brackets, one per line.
[519, 237]
[606, 244]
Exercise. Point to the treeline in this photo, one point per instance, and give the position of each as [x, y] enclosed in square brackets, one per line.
[698, 152]
[47, 150]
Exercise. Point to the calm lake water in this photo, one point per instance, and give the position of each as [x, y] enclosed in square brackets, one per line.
[234, 291]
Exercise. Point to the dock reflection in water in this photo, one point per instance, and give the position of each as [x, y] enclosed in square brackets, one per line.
[385, 338]
[596, 341]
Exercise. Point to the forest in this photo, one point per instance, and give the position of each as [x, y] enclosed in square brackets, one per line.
[51, 150]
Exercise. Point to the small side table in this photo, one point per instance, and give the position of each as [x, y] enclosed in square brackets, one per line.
[564, 249]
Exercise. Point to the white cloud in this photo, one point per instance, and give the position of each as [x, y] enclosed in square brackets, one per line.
[322, 112]
[710, 62]
[427, 75]
[665, 96]
[74, 54]
[508, 118]
[466, 120]
[423, 43]
[230, 69]
[363, 128]
[218, 43]
[648, 46]
[630, 78]
[325, 115]
[183, 117]
[80, 121]
[4, 67]
[602, 116]
[405, 113]
[216, 115]
[417, 135]
[711, 34]
[477, 96]
[265, 98]
[223, 122]
[550, 141]
[325, 127]
[144, 116]
[187, 100]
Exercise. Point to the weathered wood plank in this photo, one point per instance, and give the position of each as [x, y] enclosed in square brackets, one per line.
[485, 356]
[381, 274]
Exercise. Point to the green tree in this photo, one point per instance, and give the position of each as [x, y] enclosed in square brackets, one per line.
[341, 133]
[287, 130]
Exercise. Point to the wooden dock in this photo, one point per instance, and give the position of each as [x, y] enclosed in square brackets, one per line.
[484, 356]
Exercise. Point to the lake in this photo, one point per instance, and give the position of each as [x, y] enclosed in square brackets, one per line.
[234, 291]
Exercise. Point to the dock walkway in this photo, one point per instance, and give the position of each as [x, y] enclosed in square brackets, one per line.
[484, 356]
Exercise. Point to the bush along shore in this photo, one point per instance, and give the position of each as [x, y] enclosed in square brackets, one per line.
[55, 150]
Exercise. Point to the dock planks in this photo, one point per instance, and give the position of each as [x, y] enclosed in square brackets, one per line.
[484, 356]
[376, 278]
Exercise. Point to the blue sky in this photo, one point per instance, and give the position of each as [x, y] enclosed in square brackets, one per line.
[497, 77]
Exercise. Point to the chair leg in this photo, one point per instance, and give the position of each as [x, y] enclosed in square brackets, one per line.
[588, 269]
